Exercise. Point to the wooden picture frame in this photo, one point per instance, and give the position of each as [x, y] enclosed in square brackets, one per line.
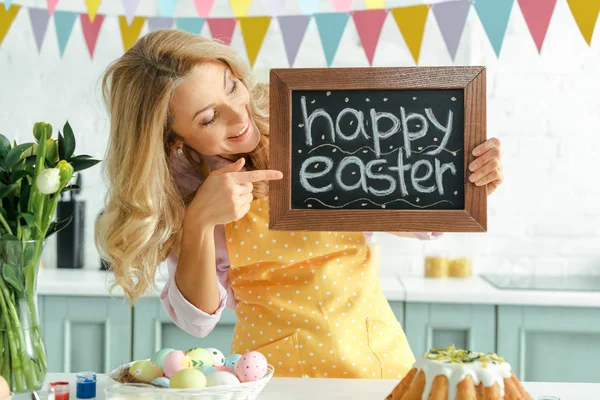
[470, 80]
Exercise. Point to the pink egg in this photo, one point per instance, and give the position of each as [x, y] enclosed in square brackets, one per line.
[222, 368]
[174, 361]
[251, 367]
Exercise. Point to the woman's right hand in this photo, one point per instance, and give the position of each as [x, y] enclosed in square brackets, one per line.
[226, 194]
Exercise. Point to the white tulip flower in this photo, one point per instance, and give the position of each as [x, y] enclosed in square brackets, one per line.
[49, 181]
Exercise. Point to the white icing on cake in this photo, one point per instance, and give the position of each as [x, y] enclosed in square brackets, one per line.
[487, 368]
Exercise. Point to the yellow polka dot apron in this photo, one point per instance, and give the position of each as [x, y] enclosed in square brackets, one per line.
[311, 302]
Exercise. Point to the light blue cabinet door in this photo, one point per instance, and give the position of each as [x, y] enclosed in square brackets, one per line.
[398, 309]
[86, 333]
[550, 344]
[154, 330]
[466, 326]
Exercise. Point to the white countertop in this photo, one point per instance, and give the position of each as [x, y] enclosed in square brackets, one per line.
[326, 389]
[475, 290]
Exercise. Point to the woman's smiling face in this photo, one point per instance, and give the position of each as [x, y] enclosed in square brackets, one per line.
[211, 112]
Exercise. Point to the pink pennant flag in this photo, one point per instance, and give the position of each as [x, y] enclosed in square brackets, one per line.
[368, 24]
[91, 30]
[51, 6]
[537, 14]
[203, 7]
[222, 28]
[342, 5]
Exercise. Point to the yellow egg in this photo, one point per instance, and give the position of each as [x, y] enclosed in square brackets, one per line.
[190, 378]
[200, 357]
[4, 389]
[145, 371]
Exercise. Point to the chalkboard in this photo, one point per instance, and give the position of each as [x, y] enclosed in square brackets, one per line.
[376, 149]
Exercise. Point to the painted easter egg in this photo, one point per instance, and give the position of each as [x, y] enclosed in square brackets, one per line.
[4, 389]
[207, 369]
[221, 378]
[159, 356]
[190, 378]
[175, 361]
[162, 382]
[218, 357]
[251, 367]
[223, 368]
[200, 357]
[145, 371]
[232, 360]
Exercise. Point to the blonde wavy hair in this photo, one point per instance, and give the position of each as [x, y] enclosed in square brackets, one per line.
[141, 222]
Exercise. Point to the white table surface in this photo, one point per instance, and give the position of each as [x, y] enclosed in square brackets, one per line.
[326, 389]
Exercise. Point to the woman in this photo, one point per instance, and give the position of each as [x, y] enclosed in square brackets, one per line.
[187, 164]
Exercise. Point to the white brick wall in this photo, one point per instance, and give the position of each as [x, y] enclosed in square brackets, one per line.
[545, 108]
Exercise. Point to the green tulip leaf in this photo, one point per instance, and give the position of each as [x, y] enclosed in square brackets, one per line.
[82, 163]
[4, 146]
[29, 218]
[69, 142]
[18, 174]
[14, 155]
[13, 275]
[57, 226]
[6, 190]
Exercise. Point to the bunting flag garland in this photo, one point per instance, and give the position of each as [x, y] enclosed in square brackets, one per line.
[63, 22]
[494, 15]
[39, 22]
[7, 16]
[585, 13]
[254, 30]
[537, 15]
[411, 23]
[190, 24]
[130, 32]
[368, 24]
[450, 16]
[293, 28]
[91, 31]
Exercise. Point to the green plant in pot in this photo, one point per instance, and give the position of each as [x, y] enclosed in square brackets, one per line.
[32, 177]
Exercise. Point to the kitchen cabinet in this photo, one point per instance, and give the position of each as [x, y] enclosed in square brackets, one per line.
[466, 326]
[85, 333]
[550, 344]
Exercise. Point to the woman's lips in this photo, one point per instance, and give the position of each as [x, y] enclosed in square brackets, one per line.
[244, 135]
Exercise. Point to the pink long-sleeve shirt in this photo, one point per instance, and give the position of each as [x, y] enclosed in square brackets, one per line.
[183, 313]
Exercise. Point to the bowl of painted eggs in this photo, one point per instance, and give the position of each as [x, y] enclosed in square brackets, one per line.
[199, 373]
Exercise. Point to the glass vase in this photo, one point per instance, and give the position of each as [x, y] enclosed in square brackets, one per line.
[22, 348]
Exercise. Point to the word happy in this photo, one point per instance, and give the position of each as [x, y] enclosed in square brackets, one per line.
[405, 175]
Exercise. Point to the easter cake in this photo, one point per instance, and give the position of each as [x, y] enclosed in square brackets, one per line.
[453, 374]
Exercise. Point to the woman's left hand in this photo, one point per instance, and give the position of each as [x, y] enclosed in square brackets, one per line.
[487, 167]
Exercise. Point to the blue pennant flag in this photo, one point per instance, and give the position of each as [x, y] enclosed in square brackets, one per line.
[494, 15]
[331, 28]
[166, 7]
[64, 21]
[309, 7]
[191, 24]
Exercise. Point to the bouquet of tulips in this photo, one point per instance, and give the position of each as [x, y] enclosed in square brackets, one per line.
[32, 177]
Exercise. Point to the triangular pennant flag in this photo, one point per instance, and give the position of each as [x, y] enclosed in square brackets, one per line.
[64, 21]
[374, 4]
[293, 28]
[254, 30]
[411, 23]
[240, 8]
[585, 13]
[274, 7]
[156, 23]
[203, 7]
[166, 7]
[130, 32]
[451, 18]
[51, 6]
[309, 7]
[130, 6]
[537, 14]
[7, 16]
[331, 27]
[342, 5]
[92, 7]
[494, 15]
[190, 24]
[7, 4]
[368, 24]
[39, 22]
[91, 30]
[222, 29]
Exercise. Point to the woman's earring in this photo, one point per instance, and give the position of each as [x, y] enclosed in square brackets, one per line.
[179, 150]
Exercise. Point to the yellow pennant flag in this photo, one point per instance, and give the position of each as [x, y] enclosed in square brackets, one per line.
[130, 33]
[254, 30]
[411, 22]
[585, 13]
[6, 18]
[374, 4]
[92, 7]
[240, 8]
